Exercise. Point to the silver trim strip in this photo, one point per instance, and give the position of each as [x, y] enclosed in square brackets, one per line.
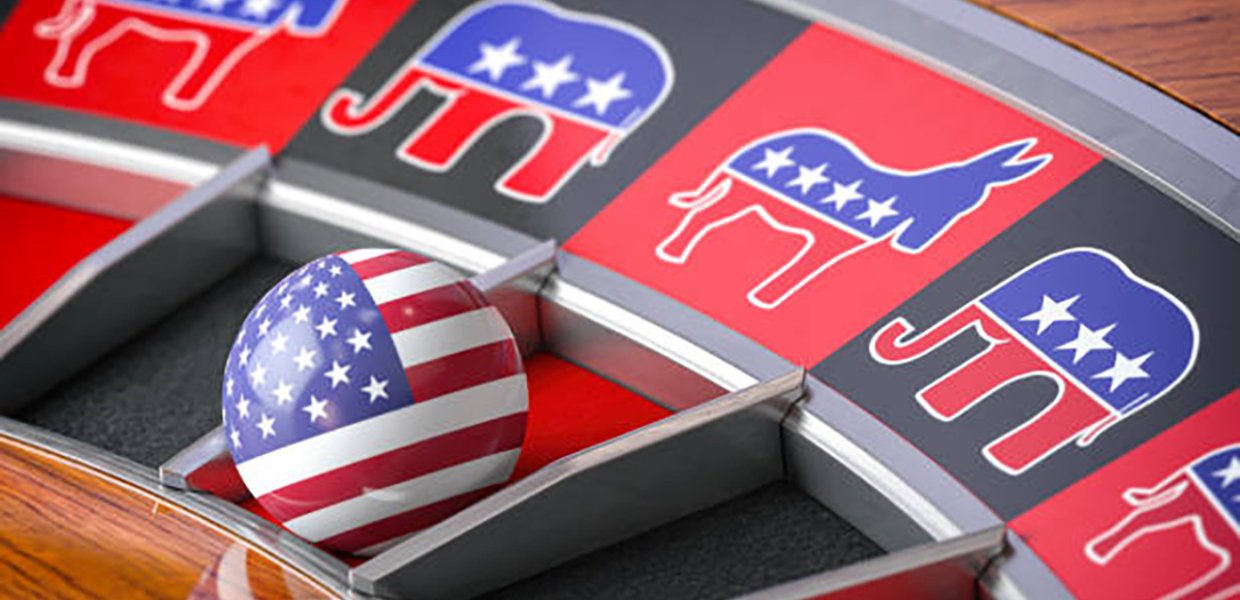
[955, 559]
[1019, 575]
[513, 288]
[77, 147]
[406, 234]
[519, 267]
[873, 472]
[648, 334]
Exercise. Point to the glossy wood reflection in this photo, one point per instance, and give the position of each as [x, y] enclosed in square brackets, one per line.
[1188, 48]
[67, 531]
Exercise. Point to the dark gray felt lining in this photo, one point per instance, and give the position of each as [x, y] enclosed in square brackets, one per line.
[770, 536]
[160, 391]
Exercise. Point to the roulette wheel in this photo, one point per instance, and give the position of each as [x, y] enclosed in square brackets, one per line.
[814, 298]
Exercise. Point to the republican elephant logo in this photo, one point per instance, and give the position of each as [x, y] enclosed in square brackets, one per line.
[1111, 342]
[1204, 496]
[589, 80]
[221, 33]
[817, 185]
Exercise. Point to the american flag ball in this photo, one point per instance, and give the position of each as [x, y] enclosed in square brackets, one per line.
[372, 394]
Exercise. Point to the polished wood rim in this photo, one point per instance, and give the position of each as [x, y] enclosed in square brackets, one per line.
[69, 530]
[1188, 49]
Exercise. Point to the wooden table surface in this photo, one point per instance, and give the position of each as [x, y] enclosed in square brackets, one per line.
[68, 531]
[1187, 48]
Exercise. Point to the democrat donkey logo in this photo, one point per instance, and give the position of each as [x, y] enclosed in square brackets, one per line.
[1204, 496]
[589, 80]
[221, 32]
[1111, 342]
[818, 186]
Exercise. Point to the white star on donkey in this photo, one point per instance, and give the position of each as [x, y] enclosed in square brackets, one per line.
[338, 374]
[317, 408]
[497, 59]
[1124, 369]
[267, 425]
[1230, 473]
[302, 314]
[243, 407]
[1052, 311]
[773, 161]
[877, 211]
[843, 194]
[549, 77]
[1087, 340]
[600, 94]
[235, 436]
[359, 341]
[376, 389]
[807, 178]
[320, 290]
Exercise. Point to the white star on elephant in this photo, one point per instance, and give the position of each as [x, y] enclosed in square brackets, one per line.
[497, 59]
[1087, 340]
[1230, 473]
[549, 77]
[1052, 311]
[600, 94]
[1124, 369]
[773, 161]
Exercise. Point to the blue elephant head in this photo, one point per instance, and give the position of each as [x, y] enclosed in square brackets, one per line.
[589, 67]
[1124, 339]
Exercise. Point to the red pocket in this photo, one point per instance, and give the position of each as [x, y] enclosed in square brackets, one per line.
[240, 71]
